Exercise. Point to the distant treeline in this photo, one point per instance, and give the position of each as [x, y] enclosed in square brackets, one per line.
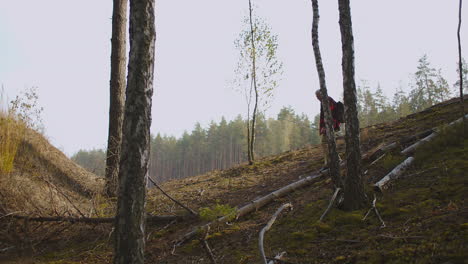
[222, 145]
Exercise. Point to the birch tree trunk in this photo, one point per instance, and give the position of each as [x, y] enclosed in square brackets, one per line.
[334, 164]
[354, 196]
[460, 65]
[117, 95]
[130, 219]
[254, 78]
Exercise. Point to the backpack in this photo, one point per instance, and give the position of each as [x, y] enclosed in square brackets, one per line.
[338, 112]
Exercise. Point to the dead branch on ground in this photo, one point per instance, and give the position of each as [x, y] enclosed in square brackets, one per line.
[256, 204]
[376, 212]
[65, 196]
[277, 258]
[332, 201]
[172, 199]
[207, 247]
[87, 220]
[435, 131]
[267, 227]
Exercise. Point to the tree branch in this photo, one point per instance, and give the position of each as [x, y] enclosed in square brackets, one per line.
[267, 227]
[330, 204]
[172, 199]
[88, 220]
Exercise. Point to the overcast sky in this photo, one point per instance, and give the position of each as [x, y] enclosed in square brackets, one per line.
[63, 48]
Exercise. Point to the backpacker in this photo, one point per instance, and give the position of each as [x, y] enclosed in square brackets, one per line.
[338, 112]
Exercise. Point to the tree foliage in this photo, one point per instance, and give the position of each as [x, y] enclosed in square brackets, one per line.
[258, 70]
[429, 86]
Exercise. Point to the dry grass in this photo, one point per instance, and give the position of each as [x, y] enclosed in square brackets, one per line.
[11, 134]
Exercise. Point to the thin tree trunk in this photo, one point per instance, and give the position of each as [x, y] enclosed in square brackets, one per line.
[117, 95]
[254, 78]
[130, 218]
[334, 164]
[460, 65]
[354, 196]
[249, 157]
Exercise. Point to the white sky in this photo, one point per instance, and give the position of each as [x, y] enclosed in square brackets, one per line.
[63, 48]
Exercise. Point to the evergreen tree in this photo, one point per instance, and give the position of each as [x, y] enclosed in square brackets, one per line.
[429, 88]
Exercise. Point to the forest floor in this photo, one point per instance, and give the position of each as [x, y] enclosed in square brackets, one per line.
[425, 212]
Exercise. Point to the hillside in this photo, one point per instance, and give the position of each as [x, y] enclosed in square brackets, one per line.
[45, 182]
[425, 212]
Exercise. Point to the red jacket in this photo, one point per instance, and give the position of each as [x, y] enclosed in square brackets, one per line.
[336, 124]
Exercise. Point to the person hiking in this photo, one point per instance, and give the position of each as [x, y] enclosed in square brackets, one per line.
[322, 129]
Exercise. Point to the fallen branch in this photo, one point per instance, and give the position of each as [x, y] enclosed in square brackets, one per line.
[101, 220]
[6, 249]
[330, 204]
[379, 152]
[277, 258]
[376, 212]
[395, 173]
[405, 237]
[256, 204]
[65, 196]
[172, 199]
[207, 247]
[267, 227]
[377, 160]
[335, 239]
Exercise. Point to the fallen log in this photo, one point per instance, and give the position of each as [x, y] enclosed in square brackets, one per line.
[379, 152]
[266, 228]
[409, 150]
[95, 220]
[418, 136]
[256, 204]
[395, 173]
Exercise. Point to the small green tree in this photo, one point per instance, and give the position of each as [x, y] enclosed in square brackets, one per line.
[258, 70]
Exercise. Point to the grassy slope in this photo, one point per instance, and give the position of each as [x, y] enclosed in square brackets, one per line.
[42, 177]
[426, 213]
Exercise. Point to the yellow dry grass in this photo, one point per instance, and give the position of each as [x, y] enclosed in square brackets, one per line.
[37, 178]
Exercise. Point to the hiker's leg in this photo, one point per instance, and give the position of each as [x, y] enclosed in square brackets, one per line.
[325, 149]
[337, 135]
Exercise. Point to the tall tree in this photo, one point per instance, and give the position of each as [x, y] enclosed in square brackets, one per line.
[117, 94]
[133, 172]
[334, 159]
[258, 70]
[354, 196]
[430, 87]
[460, 64]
